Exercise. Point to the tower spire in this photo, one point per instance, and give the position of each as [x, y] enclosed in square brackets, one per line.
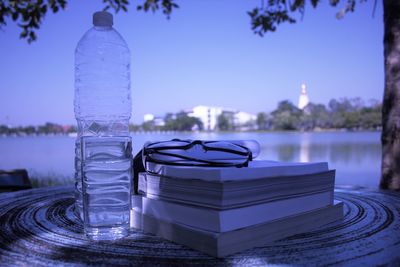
[303, 99]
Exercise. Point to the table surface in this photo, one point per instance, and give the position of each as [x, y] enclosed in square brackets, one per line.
[38, 228]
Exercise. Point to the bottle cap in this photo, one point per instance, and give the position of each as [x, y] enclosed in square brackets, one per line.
[102, 18]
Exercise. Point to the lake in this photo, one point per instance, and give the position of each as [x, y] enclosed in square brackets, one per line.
[356, 156]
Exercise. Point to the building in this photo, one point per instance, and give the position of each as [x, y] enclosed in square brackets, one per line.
[209, 116]
[157, 120]
[303, 99]
[148, 117]
[243, 118]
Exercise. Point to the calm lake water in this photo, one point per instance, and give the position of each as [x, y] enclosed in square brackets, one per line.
[356, 156]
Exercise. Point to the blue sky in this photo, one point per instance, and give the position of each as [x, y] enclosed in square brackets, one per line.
[205, 54]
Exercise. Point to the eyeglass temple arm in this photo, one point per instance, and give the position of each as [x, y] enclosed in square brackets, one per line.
[137, 168]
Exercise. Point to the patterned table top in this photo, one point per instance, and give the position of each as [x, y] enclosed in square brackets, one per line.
[38, 228]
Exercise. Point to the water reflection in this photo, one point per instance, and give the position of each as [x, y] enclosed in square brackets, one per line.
[355, 153]
[334, 153]
[355, 156]
[305, 149]
[287, 152]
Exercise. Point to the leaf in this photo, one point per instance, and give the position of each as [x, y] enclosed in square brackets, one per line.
[43, 9]
[333, 2]
[314, 3]
[32, 36]
[15, 16]
[23, 34]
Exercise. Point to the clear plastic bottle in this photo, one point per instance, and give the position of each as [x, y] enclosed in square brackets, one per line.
[103, 152]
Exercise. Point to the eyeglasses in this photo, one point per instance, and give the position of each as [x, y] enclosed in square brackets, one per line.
[196, 153]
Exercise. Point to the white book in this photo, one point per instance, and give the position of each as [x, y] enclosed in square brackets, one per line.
[233, 194]
[226, 243]
[256, 169]
[231, 219]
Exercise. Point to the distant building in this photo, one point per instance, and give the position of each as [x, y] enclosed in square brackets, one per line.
[148, 117]
[209, 116]
[157, 120]
[303, 99]
[243, 118]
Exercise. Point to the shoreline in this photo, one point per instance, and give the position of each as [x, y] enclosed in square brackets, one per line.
[74, 135]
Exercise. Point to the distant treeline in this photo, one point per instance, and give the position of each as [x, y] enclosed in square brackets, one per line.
[350, 114]
[48, 128]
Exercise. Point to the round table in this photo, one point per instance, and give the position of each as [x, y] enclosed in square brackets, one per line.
[38, 227]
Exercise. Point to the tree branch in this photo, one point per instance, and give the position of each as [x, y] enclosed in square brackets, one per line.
[29, 14]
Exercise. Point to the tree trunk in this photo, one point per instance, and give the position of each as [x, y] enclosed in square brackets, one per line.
[390, 138]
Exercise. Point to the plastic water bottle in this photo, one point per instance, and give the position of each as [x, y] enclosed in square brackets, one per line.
[103, 151]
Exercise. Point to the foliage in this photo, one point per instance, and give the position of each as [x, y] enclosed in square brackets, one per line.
[134, 127]
[350, 114]
[286, 116]
[48, 128]
[315, 116]
[29, 14]
[264, 121]
[182, 122]
[225, 122]
[271, 13]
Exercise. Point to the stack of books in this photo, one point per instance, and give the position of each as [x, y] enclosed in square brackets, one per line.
[225, 210]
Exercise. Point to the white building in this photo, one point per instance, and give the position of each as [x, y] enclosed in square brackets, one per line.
[158, 121]
[243, 118]
[148, 117]
[303, 99]
[209, 116]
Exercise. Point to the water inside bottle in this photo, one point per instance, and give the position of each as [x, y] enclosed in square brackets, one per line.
[78, 208]
[106, 185]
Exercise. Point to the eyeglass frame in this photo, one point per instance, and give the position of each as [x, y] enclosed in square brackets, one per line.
[141, 158]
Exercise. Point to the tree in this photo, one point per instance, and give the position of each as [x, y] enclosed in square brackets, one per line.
[134, 127]
[286, 116]
[185, 123]
[225, 122]
[148, 126]
[169, 120]
[29, 14]
[272, 13]
[262, 121]
[371, 117]
[344, 113]
[4, 129]
[29, 129]
[315, 116]
[182, 122]
[390, 138]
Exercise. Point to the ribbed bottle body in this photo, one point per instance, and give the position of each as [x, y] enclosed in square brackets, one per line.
[103, 106]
